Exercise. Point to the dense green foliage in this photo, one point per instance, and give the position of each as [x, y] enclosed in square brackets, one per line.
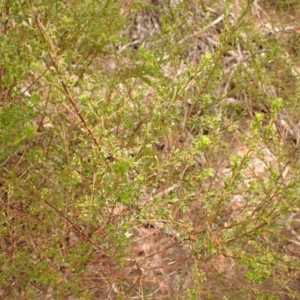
[160, 169]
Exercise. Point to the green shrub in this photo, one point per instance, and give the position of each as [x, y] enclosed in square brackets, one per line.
[159, 168]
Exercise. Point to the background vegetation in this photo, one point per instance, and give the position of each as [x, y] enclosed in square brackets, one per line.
[149, 150]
